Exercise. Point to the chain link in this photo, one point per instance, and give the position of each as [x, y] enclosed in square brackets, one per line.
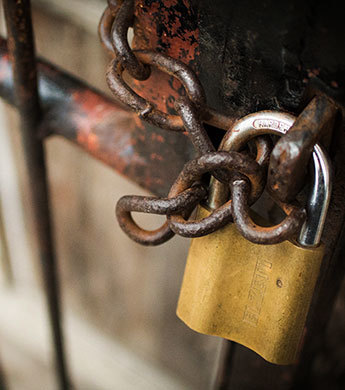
[185, 200]
[286, 229]
[145, 109]
[245, 177]
[194, 170]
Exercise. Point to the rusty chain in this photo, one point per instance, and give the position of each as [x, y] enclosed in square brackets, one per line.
[244, 177]
[185, 200]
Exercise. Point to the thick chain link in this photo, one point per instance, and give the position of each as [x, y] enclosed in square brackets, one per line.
[245, 177]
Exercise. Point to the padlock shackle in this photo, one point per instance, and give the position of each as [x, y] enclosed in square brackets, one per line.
[318, 201]
[278, 123]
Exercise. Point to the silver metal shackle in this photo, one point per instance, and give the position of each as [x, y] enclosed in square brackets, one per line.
[278, 123]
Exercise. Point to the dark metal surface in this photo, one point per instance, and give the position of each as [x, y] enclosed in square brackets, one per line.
[260, 56]
[22, 55]
[291, 154]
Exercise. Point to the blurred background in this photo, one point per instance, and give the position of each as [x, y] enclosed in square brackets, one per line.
[119, 298]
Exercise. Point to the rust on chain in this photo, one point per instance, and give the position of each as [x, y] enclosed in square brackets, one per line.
[219, 193]
[123, 21]
[235, 139]
[145, 109]
[192, 112]
[197, 133]
[184, 201]
[113, 29]
[192, 123]
[194, 170]
[170, 27]
[291, 154]
[104, 30]
[202, 143]
[259, 234]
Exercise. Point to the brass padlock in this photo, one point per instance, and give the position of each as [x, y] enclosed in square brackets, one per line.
[257, 295]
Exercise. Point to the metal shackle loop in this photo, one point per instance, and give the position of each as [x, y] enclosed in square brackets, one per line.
[277, 123]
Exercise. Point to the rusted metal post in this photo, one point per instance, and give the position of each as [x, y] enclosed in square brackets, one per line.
[22, 54]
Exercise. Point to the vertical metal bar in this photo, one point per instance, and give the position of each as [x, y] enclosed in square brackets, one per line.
[22, 54]
[5, 262]
[224, 368]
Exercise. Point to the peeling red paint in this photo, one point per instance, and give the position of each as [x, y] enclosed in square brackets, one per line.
[160, 27]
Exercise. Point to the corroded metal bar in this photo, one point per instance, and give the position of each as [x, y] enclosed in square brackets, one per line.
[26, 98]
[290, 156]
[101, 127]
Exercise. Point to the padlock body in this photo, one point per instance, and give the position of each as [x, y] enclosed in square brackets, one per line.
[255, 295]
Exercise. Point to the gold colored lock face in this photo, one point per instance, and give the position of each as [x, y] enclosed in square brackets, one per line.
[256, 295]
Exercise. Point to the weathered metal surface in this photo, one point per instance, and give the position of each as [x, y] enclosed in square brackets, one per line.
[253, 294]
[123, 20]
[291, 154]
[192, 124]
[183, 202]
[113, 31]
[255, 233]
[191, 110]
[25, 93]
[178, 221]
[272, 122]
[194, 170]
[256, 56]
[146, 109]
[170, 27]
[102, 128]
